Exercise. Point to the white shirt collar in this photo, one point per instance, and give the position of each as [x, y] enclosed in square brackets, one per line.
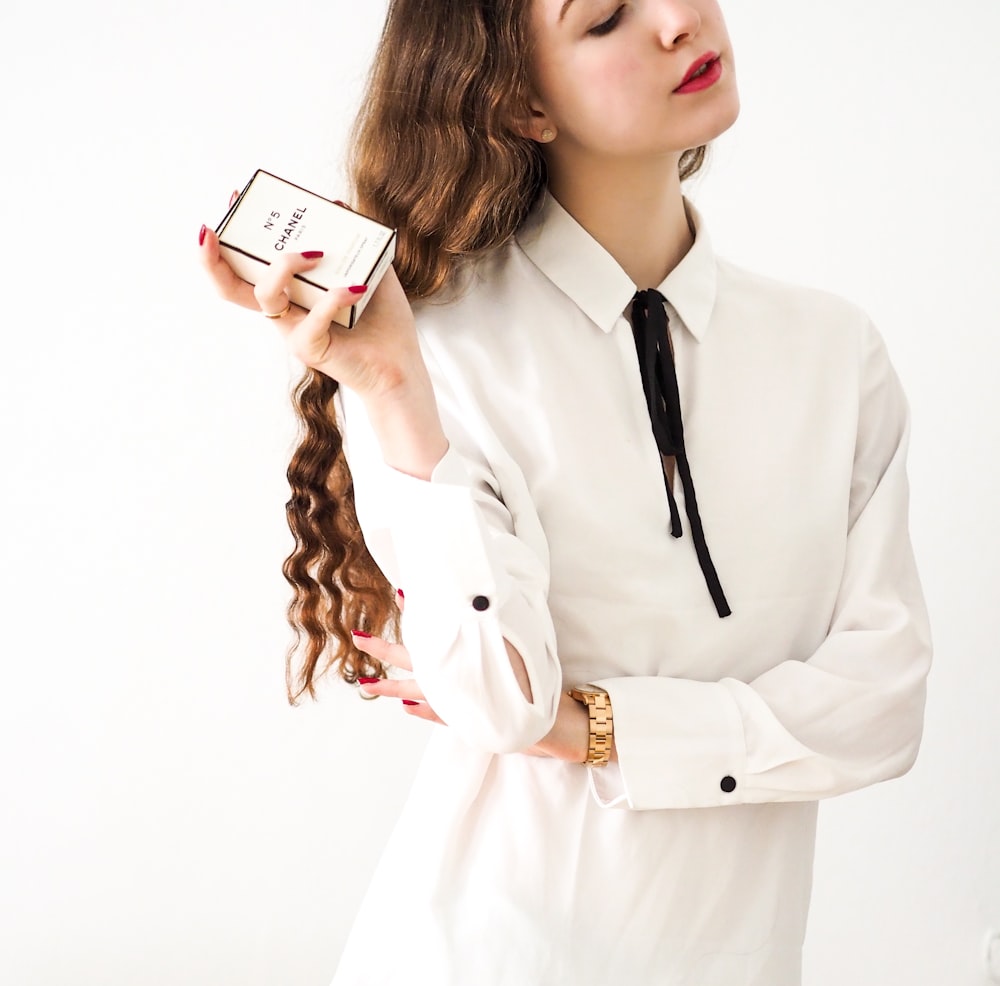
[584, 271]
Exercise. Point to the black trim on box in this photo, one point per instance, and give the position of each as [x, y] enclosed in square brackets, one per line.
[271, 174]
[220, 230]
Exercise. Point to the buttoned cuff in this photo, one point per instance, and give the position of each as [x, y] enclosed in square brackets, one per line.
[444, 553]
[679, 744]
[470, 590]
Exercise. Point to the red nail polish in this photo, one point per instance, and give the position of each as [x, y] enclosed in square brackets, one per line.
[358, 288]
[367, 681]
[312, 254]
[400, 593]
[406, 701]
[361, 633]
[201, 235]
[343, 205]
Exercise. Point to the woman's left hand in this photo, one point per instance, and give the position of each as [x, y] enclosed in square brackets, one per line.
[567, 740]
[392, 655]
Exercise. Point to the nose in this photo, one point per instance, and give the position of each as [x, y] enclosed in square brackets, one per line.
[678, 23]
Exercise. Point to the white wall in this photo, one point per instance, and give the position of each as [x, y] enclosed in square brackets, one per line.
[165, 817]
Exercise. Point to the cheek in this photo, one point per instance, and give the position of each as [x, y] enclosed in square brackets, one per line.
[617, 73]
[714, 22]
[608, 84]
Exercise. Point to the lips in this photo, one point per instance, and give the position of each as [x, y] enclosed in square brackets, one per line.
[699, 67]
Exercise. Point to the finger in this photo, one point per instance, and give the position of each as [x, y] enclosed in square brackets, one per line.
[230, 286]
[423, 711]
[533, 751]
[403, 688]
[273, 288]
[312, 340]
[383, 651]
[335, 301]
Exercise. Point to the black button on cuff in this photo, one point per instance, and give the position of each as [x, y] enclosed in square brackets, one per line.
[480, 604]
[728, 784]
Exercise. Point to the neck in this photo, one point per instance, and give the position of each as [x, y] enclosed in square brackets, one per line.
[633, 209]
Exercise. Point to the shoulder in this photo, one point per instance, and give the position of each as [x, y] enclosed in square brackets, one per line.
[485, 316]
[478, 287]
[792, 307]
[824, 335]
[796, 323]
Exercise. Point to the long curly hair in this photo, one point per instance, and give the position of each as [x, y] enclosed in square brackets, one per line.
[436, 155]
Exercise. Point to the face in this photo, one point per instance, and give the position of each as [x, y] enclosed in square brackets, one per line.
[608, 75]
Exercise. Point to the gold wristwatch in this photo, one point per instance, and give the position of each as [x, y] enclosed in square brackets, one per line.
[598, 703]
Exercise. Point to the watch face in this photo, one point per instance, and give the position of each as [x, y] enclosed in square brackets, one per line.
[590, 690]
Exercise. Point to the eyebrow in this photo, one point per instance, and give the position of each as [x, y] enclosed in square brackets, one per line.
[565, 7]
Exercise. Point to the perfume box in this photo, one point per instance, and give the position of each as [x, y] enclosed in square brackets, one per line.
[272, 216]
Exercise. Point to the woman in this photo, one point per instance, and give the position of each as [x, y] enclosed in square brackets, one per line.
[593, 454]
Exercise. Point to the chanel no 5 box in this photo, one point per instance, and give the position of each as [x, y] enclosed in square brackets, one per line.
[273, 216]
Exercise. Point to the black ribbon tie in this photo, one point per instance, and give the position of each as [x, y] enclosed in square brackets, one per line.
[659, 383]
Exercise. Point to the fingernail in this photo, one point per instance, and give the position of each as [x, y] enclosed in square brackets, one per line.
[400, 593]
[312, 254]
[406, 701]
[358, 288]
[343, 205]
[367, 681]
[234, 196]
[361, 633]
[201, 234]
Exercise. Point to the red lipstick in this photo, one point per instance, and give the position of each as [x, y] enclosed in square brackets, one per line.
[704, 72]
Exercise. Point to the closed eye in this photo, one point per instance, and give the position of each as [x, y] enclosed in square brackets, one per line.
[609, 25]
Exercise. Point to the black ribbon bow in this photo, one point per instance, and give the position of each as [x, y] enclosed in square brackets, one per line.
[659, 383]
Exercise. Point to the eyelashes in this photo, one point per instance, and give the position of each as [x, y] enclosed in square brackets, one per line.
[606, 27]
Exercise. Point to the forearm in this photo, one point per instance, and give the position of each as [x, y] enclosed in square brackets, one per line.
[407, 425]
[520, 671]
[409, 432]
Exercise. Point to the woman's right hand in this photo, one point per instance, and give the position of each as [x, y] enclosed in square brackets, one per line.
[379, 359]
[375, 358]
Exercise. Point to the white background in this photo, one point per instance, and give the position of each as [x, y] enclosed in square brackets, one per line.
[165, 816]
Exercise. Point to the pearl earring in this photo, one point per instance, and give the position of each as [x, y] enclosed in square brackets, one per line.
[547, 135]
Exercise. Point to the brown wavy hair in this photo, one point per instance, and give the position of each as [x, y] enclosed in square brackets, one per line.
[436, 155]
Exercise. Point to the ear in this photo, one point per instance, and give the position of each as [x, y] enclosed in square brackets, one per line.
[535, 124]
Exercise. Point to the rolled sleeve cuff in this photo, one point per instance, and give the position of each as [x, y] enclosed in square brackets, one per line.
[440, 541]
[462, 603]
[679, 744]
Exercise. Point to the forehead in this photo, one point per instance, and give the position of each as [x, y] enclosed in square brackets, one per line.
[552, 12]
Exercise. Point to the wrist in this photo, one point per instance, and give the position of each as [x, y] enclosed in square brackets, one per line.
[578, 738]
[600, 739]
[408, 427]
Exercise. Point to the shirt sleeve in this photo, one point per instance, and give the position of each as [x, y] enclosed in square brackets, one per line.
[472, 579]
[848, 716]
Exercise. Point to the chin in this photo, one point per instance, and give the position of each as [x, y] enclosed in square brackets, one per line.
[706, 133]
[730, 117]
[718, 120]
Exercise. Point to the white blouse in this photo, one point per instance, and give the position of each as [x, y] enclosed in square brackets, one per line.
[687, 863]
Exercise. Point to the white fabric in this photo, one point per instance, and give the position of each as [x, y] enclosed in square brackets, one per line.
[510, 869]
